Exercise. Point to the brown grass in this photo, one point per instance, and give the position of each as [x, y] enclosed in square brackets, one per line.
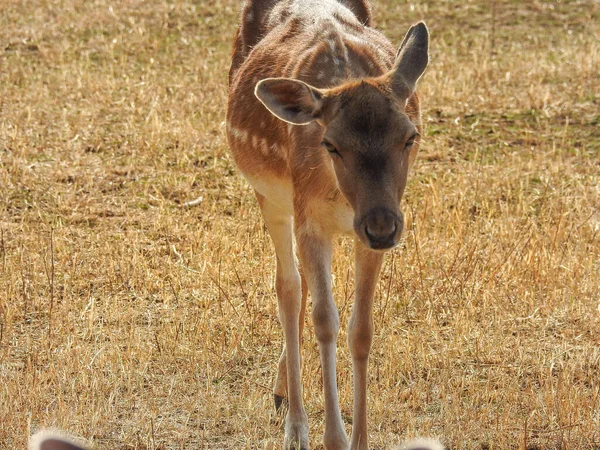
[136, 322]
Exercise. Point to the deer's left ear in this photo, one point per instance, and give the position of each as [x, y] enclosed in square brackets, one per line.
[291, 100]
[411, 61]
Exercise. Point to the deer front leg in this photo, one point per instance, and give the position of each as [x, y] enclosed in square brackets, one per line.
[315, 253]
[280, 388]
[360, 336]
[289, 299]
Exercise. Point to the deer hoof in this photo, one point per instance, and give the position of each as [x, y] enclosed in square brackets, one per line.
[280, 402]
[296, 436]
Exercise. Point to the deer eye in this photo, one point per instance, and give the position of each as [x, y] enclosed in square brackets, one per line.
[330, 148]
[410, 142]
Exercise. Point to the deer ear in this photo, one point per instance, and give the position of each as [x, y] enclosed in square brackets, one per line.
[422, 444]
[411, 61]
[47, 440]
[291, 100]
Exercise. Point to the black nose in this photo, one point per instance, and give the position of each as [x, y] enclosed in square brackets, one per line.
[381, 228]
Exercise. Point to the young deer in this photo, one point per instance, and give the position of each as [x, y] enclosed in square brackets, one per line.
[51, 440]
[323, 121]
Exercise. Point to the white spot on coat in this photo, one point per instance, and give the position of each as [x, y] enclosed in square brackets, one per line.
[237, 133]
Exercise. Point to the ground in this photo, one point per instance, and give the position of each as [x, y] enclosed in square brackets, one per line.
[135, 321]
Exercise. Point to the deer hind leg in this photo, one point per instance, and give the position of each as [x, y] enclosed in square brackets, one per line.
[360, 337]
[315, 254]
[280, 388]
[289, 298]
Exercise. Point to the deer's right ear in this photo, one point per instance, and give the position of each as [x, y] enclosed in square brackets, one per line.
[48, 440]
[422, 444]
[290, 100]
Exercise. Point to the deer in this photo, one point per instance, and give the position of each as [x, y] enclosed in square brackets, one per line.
[323, 120]
[58, 440]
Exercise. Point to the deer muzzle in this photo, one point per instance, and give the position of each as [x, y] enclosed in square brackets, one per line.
[380, 228]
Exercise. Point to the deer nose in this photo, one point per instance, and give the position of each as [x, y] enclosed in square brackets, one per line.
[381, 228]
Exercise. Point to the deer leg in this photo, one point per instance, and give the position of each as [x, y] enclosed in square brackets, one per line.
[289, 299]
[360, 337]
[315, 254]
[280, 388]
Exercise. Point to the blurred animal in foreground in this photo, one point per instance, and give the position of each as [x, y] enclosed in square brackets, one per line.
[55, 440]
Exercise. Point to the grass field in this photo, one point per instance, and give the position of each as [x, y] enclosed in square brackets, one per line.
[135, 321]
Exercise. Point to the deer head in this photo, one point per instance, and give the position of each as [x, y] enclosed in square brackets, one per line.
[366, 131]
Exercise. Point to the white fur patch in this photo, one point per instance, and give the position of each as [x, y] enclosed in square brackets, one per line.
[264, 146]
[323, 9]
[237, 133]
[277, 190]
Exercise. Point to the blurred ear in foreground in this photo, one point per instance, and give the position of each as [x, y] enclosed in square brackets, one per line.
[52, 440]
[422, 444]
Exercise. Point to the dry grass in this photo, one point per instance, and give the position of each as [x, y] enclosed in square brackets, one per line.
[138, 323]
